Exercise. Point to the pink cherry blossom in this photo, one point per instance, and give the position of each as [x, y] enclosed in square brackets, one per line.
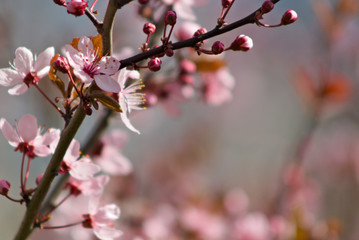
[88, 66]
[92, 187]
[128, 97]
[218, 86]
[26, 136]
[254, 226]
[82, 169]
[100, 219]
[26, 70]
[113, 162]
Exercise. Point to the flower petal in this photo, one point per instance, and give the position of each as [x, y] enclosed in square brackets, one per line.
[9, 132]
[83, 169]
[107, 233]
[27, 127]
[23, 60]
[43, 72]
[73, 152]
[10, 77]
[73, 57]
[43, 60]
[18, 89]
[109, 65]
[107, 84]
[85, 45]
[83, 76]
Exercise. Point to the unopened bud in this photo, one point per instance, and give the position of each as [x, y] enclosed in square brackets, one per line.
[143, 1]
[290, 16]
[149, 28]
[77, 7]
[4, 187]
[60, 2]
[200, 32]
[88, 110]
[226, 3]
[38, 179]
[62, 64]
[154, 64]
[267, 6]
[217, 47]
[170, 18]
[241, 43]
[169, 52]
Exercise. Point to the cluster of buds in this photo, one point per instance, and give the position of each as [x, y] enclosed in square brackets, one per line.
[290, 16]
[74, 7]
[241, 43]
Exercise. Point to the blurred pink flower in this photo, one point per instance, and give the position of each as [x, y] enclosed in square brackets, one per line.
[254, 226]
[113, 162]
[25, 71]
[88, 66]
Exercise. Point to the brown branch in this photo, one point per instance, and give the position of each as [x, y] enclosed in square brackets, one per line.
[250, 19]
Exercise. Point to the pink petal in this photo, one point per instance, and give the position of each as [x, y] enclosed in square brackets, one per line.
[72, 55]
[41, 150]
[43, 72]
[105, 232]
[9, 77]
[83, 76]
[9, 132]
[44, 59]
[73, 152]
[27, 127]
[107, 84]
[18, 89]
[85, 45]
[23, 60]
[113, 162]
[109, 212]
[83, 170]
[109, 65]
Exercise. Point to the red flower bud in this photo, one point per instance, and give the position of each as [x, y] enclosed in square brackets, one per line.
[77, 7]
[4, 187]
[149, 28]
[169, 52]
[60, 2]
[217, 47]
[267, 6]
[226, 3]
[62, 64]
[170, 18]
[242, 43]
[154, 64]
[290, 16]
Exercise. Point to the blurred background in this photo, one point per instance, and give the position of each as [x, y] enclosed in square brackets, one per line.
[294, 101]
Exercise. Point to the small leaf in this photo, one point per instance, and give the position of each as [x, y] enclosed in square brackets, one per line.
[54, 78]
[96, 41]
[107, 101]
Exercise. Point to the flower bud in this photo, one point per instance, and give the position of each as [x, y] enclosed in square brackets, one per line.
[267, 6]
[154, 64]
[200, 32]
[60, 2]
[77, 7]
[169, 52]
[4, 187]
[242, 43]
[143, 1]
[186, 79]
[149, 28]
[226, 3]
[170, 18]
[290, 16]
[62, 64]
[38, 179]
[217, 47]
